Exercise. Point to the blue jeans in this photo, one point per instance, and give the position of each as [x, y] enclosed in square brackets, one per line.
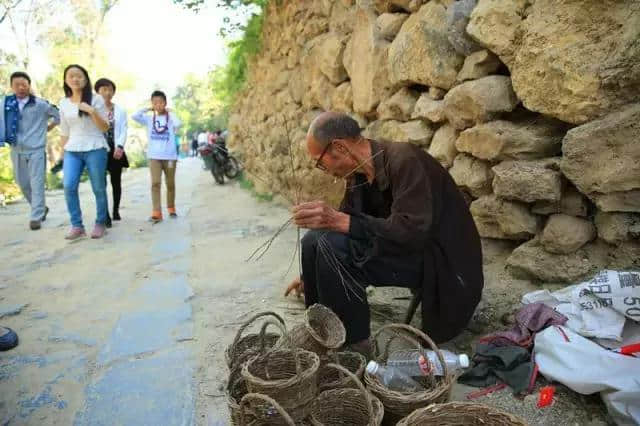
[96, 163]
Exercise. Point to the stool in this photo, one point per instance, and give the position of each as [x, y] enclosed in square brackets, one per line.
[413, 305]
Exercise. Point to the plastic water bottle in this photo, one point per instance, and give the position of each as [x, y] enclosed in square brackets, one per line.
[417, 363]
[393, 378]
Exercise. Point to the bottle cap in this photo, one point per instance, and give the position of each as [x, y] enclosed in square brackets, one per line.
[464, 360]
[372, 367]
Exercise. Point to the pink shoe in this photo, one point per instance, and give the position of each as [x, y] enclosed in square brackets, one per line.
[98, 231]
[75, 233]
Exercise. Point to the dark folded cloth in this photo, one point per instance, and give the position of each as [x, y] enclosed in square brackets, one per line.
[8, 339]
[493, 364]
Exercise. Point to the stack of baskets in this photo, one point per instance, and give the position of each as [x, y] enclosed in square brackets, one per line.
[298, 377]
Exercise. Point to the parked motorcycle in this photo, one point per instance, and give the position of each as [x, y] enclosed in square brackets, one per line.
[219, 161]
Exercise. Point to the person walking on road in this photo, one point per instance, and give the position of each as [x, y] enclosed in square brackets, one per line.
[24, 122]
[161, 151]
[116, 138]
[83, 121]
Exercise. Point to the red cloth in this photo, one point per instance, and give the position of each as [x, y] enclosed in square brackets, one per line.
[529, 320]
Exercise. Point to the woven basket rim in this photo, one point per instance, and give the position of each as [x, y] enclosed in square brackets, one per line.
[279, 383]
[229, 352]
[331, 342]
[422, 414]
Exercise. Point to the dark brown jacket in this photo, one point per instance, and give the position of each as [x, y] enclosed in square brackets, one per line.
[419, 208]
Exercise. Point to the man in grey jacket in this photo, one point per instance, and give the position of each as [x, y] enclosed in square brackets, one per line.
[24, 122]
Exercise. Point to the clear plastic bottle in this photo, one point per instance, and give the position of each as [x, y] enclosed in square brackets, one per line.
[410, 362]
[394, 378]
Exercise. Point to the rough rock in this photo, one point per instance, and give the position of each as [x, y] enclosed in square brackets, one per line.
[603, 156]
[416, 132]
[578, 60]
[477, 65]
[616, 228]
[479, 101]
[387, 6]
[429, 109]
[625, 256]
[502, 219]
[330, 58]
[436, 93]
[369, 68]
[443, 145]
[528, 139]
[565, 234]
[389, 24]
[472, 175]
[531, 260]
[399, 106]
[628, 201]
[528, 181]
[342, 18]
[572, 203]
[457, 19]
[421, 53]
[495, 25]
[342, 99]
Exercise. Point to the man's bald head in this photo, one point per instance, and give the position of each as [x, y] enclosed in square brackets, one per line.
[329, 126]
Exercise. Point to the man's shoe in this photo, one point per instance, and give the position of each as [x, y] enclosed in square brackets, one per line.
[75, 233]
[34, 225]
[8, 339]
[155, 219]
[98, 231]
[46, 212]
[108, 223]
[172, 212]
[116, 215]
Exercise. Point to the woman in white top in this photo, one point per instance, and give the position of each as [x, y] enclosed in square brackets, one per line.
[83, 120]
[116, 138]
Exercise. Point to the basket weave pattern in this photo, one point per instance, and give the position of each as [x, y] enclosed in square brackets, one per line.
[461, 414]
[245, 347]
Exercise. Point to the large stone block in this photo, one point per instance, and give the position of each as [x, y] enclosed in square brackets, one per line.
[572, 203]
[603, 157]
[531, 260]
[443, 145]
[429, 109]
[563, 61]
[399, 106]
[498, 218]
[389, 24]
[479, 101]
[616, 228]
[389, 6]
[342, 18]
[527, 139]
[458, 14]
[342, 99]
[565, 234]
[330, 58]
[528, 181]
[472, 175]
[366, 61]
[417, 131]
[421, 53]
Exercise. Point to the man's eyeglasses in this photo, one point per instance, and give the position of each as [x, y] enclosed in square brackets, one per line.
[319, 164]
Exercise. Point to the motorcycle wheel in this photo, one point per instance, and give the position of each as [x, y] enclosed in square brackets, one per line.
[217, 173]
[231, 169]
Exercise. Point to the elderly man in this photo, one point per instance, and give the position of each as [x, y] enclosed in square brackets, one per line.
[402, 222]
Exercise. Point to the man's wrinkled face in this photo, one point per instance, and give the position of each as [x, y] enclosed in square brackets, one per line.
[158, 104]
[21, 87]
[333, 159]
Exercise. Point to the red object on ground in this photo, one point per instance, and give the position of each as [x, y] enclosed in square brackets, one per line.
[546, 396]
[630, 349]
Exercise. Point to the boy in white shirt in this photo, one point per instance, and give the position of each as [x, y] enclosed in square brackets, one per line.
[161, 128]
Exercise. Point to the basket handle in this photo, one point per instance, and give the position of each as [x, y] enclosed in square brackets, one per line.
[354, 378]
[268, 400]
[296, 358]
[404, 331]
[248, 323]
[263, 332]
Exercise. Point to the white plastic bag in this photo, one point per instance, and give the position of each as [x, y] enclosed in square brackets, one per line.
[586, 368]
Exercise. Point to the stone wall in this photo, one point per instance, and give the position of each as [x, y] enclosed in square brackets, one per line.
[532, 106]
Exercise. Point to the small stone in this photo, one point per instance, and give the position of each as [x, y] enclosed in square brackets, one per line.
[429, 109]
[477, 65]
[565, 234]
[528, 181]
[436, 93]
[9, 310]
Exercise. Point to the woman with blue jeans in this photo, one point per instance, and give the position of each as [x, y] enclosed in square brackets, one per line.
[83, 121]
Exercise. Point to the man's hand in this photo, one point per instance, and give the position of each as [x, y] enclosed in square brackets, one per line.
[86, 108]
[117, 154]
[297, 286]
[319, 215]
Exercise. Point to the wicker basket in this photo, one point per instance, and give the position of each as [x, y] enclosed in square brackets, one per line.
[331, 378]
[461, 414]
[347, 406]
[264, 411]
[400, 404]
[244, 347]
[236, 389]
[288, 376]
[322, 330]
